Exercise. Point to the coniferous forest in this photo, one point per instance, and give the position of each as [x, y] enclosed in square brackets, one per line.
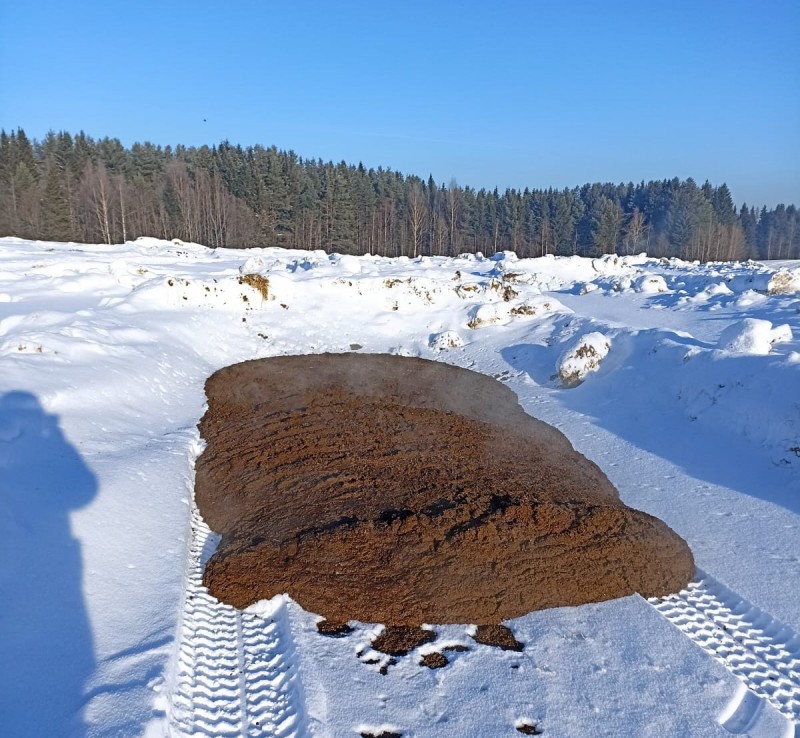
[74, 188]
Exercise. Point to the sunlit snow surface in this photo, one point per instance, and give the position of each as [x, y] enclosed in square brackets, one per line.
[693, 412]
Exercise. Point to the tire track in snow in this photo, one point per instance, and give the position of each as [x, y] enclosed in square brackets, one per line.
[755, 647]
[236, 671]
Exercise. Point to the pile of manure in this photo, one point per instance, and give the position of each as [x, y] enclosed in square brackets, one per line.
[402, 491]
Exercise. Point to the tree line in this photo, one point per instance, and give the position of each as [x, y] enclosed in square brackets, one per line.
[75, 188]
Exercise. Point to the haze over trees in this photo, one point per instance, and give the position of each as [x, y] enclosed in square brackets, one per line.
[75, 188]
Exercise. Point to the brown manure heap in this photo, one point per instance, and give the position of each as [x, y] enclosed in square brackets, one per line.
[403, 491]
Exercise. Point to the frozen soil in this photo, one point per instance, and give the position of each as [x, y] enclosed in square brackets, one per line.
[403, 491]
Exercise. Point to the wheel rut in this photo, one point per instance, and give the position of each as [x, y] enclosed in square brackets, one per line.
[236, 673]
[761, 651]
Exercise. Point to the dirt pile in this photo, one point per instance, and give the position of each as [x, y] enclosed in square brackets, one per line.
[403, 491]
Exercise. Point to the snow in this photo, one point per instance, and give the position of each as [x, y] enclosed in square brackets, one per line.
[753, 336]
[650, 284]
[694, 414]
[582, 357]
[784, 282]
[445, 340]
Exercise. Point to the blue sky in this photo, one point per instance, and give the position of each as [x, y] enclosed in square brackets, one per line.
[505, 94]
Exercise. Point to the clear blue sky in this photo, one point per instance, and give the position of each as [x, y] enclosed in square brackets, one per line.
[503, 94]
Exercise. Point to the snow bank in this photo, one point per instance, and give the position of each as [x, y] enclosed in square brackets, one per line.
[614, 264]
[445, 340]
[753, 336]
[650, 284]
[503, 312]
[621, 284]
[716, 289]
[582, 358]
[784, 282]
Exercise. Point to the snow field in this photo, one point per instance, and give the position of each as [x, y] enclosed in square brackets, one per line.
[113, 344]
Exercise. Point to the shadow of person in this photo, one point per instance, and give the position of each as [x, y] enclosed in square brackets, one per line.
[46, 647]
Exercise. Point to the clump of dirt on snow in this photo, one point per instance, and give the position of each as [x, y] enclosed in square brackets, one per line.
[398, 640]
[497, 635]
[434, 660]
[257, 282]
[402, 491]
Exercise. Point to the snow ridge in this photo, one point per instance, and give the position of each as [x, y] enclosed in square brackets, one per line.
[754, 646]
[236, 671]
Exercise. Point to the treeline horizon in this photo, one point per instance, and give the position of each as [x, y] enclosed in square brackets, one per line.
[75, 188]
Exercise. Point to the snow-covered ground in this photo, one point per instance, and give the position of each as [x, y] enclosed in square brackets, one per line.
[682, 381]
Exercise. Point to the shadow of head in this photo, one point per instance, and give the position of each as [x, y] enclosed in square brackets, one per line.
[39, 465]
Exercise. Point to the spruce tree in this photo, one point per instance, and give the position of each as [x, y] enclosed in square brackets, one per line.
[56, 225]
[723, 205]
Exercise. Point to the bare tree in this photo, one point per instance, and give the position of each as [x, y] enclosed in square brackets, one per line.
[97, 199]
[417, 215]
[635, 232]
[123, 210]
[544, 237]
[453, 212]
[187, 200]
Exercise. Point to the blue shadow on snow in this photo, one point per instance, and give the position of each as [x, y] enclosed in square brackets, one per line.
[631, 403]
[46, 646]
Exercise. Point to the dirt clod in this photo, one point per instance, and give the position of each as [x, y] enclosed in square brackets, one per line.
[402, 491]
[528, 729]
[398, 640]
[434, 660]
[497, 635]
[334, 629]
[257, 282]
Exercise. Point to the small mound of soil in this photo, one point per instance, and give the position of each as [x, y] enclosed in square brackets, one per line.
[434, 660]
[402, 491]
[333, 629]
[497, 635]
[398, 640]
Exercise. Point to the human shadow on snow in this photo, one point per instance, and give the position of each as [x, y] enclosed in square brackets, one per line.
[46, 645]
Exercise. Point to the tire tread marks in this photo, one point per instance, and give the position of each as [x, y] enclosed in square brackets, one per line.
[754, 646]
[236, 671]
